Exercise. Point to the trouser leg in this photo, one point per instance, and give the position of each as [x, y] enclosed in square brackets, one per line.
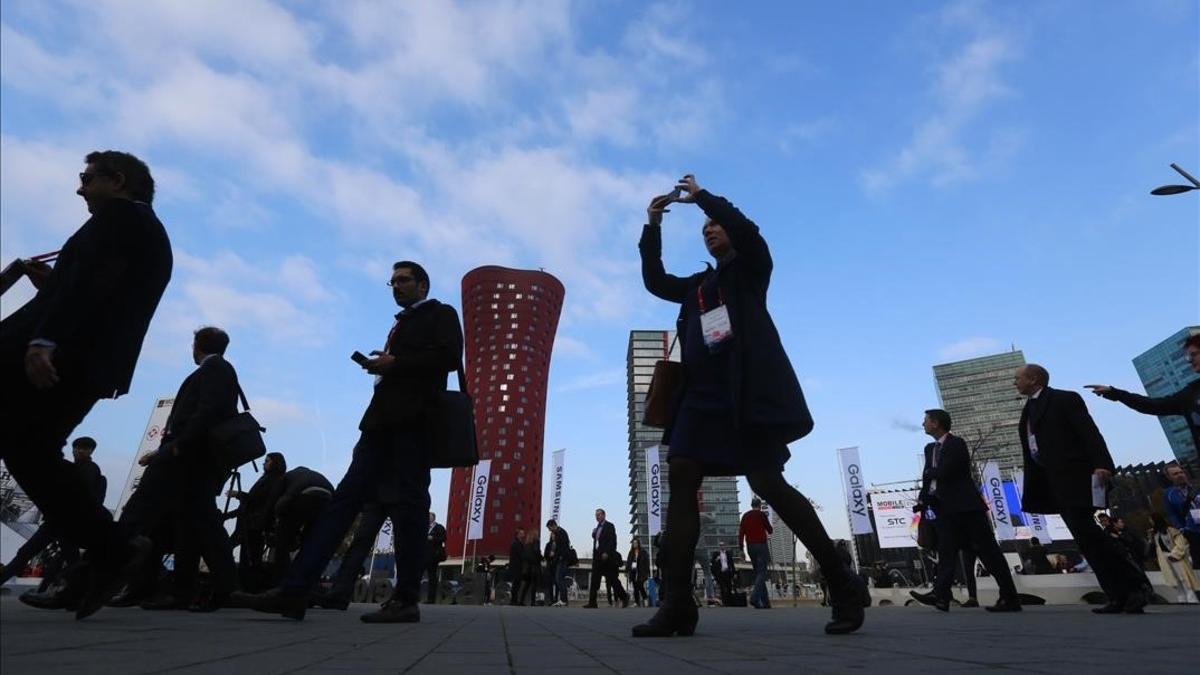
[683, 529]
[983, 543]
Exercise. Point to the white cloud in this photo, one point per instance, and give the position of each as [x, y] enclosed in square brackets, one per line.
[968, 348]
[941, 149]
[604, 378]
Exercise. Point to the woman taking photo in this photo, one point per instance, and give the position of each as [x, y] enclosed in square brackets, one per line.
[739, 406]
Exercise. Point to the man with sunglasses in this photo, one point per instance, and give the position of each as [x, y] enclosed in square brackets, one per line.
[76, 342]
[393, 452]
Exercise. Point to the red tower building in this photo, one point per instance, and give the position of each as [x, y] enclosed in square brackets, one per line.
[509, 320]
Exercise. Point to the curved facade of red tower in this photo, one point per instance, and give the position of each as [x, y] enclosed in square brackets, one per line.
[509, 321]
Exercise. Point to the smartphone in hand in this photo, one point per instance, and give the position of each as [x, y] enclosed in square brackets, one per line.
[360, 359]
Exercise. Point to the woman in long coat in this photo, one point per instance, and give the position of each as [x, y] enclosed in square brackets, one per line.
[739, 406]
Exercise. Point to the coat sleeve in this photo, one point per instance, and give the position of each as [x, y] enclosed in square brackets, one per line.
[752, 250]
[660, 284]
[443, 353]
[1175, 404]
[923, 495]
[1085, 430]
[93, 281]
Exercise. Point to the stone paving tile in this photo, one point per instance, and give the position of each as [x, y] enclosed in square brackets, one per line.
[479, 640]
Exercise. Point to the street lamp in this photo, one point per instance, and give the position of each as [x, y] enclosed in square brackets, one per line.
[1176, 189]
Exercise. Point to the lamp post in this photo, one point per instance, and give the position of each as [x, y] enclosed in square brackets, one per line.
[1176, 189]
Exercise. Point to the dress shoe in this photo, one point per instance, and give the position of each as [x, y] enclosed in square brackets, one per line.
[848, 609]
[1110, 608]
[54, 598]
[394, 611]
[1135, 603]
[127, 598]
[209, 604]
[106, 579]
[164, 602]
[328, 601]
[668, 621]
[1005, 604]
[971, 603]
[590, 605]
[625, 603]
[923, 598]
[274, 601]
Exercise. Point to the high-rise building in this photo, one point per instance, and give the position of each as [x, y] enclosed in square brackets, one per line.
[646, 348]
[984, 406]
[1165, 370]
[718, 494]
[782, 541]
[509, 321]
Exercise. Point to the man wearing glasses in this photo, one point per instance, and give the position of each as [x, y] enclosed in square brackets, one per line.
[77, 341]
[424, 344]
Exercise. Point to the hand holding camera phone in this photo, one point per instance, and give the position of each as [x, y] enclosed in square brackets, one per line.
[359, 358]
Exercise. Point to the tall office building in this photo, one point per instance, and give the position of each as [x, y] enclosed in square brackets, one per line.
[718, 495]
[509, 321]
[781, 542]
[986, 409]
[1164, 370]
[646, 347]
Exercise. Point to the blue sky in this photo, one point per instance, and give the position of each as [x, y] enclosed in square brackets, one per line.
[936, 181]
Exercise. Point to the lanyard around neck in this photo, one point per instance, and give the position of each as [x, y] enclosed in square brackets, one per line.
[700, 297]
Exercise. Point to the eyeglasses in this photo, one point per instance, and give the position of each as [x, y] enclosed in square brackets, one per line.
[400, 280]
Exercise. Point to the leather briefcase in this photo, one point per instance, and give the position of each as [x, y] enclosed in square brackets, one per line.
[453, 428]
[238, 439]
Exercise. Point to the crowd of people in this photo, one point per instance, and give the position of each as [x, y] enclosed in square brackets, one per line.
[738, 408]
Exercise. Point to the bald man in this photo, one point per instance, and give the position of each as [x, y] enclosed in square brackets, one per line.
[1063, 452]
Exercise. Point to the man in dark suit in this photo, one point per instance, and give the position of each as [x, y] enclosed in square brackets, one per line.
[604, 561]
[516, 565]
[191, 477]
[424, 344]
[81, 449]
[1064, 452]
[960, 516]
[722, 565]
[77, 341]
[435, 553]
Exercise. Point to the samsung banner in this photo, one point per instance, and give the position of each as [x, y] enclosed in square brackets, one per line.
[479, 486]
[997, 501]
[150, 442]
[894, 518]
[556, 507]
[653, 491]
[856, 491]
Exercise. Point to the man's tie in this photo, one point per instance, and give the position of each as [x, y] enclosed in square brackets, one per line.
[937, 454]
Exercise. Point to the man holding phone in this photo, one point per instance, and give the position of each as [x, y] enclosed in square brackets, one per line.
[424, 344]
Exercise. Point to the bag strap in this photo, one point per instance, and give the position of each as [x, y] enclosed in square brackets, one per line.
[242, 396]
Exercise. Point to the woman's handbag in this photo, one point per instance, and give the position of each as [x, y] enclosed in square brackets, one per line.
[237, 440]
[453, 436]
[664, 390]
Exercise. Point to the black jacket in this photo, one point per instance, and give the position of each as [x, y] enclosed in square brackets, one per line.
[955, 488]
[256, 510]
[435, 545]
[427, 343]
[559, 546]
[516, 558]
[606, 542]
[643, 565]
[97, 303]
[1070, 448]
[206, 398]
[295, 482]
[97, 483]
[1185, 402]
[762, 384]
[715, 563]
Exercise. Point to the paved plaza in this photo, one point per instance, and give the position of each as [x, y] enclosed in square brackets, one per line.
[484, 640]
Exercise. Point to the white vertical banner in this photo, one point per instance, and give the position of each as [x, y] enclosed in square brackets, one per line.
[1036, 522]
[993, 493]
[151, 439]
[479, 487]
[653, 491]
[556, 506]
[856, 492]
